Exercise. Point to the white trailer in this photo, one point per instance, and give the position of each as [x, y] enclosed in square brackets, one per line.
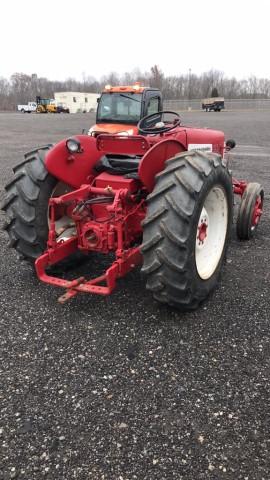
[77, 102]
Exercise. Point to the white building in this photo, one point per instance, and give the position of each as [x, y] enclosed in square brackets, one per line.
[77, 101]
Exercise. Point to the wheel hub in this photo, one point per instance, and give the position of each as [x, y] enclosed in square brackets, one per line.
[202, 229]
[211, 232]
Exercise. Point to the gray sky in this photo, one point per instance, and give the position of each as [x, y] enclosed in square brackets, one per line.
[60, 39]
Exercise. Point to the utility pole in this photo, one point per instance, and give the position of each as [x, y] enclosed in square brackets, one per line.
[189, 88]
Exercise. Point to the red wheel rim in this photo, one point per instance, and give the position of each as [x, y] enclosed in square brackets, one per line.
[257, 212]
[202, 232]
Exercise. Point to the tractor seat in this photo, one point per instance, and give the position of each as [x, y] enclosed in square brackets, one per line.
[114, 164]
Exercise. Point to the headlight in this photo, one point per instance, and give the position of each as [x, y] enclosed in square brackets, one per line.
[73, 145]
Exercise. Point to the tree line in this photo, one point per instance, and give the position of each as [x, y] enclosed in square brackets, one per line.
[21, 87]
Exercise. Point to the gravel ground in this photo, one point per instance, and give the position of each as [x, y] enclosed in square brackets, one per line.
[119, 388]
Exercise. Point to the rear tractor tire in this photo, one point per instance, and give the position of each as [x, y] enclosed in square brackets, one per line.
[250, 211]
[26, 205]
[187, 228]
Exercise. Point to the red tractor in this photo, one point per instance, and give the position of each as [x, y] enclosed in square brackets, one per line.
[141, 186]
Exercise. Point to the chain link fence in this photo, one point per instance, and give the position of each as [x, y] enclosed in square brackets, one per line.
[230, 104]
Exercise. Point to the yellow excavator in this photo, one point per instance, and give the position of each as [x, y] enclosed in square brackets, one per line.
[48, 105]
[45, 105]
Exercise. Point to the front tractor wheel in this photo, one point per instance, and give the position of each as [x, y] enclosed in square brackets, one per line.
[26, 205]
[250, 211]
[186, 229]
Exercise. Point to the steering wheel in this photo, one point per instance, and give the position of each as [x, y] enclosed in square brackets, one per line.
[154, 124]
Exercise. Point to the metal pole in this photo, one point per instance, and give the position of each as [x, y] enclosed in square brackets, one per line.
[189, 88]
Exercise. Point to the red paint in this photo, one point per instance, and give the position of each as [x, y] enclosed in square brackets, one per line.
[154, 160]
[119, 268]
[202, 232]
[205, 136]
[77, 168]
[112, 226]
[129, 145]
[239, 186]
[116, 181]
[258, 210]
[108, 210]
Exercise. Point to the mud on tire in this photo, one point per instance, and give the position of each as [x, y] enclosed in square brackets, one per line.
[26, 205]
[170, 239]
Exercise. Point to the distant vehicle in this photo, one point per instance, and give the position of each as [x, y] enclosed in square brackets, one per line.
[214, 104]
[48, 105]
[62, 108]
[30, 107]
[45, 105]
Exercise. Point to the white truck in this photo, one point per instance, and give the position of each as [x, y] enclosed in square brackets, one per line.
[29, 108]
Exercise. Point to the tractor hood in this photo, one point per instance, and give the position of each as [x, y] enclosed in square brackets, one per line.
[114, 129]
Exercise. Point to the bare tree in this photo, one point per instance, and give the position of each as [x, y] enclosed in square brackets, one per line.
[21, 87]
[156, 77]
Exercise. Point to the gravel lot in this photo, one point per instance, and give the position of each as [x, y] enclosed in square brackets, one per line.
[120, 388]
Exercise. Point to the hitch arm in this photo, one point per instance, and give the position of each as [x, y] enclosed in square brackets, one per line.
[126, 261]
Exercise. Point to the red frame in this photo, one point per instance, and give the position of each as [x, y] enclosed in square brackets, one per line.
[122, 228]
[114, 226]
[239, 186]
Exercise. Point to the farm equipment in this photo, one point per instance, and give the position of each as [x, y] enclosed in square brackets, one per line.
[48, 105]
[214, 104]
[153, 193]
[45, 105]
[120, 108]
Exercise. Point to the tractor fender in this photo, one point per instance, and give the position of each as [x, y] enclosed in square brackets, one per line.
[73, 169]
[154, 160]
